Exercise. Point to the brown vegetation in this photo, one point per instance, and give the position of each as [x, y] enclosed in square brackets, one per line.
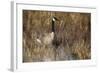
[72, 31]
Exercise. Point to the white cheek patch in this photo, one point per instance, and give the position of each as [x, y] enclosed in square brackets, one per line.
[53, 19]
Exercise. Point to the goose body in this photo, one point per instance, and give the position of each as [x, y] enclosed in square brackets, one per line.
[48, 37]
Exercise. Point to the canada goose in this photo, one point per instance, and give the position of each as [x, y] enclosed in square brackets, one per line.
[48, 37]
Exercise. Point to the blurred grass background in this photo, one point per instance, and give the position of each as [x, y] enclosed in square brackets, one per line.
[73, 31]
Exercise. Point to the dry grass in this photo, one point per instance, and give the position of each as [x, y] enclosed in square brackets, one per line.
[81, 50]
[72, 34]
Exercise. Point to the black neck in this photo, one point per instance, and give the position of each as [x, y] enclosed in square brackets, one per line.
[53, 29]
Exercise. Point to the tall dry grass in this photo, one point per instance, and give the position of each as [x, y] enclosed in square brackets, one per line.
[72, 31]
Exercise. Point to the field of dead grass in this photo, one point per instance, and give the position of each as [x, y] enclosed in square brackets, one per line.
[72, 30]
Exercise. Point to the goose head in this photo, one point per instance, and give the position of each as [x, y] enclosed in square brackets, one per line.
[54, 19]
